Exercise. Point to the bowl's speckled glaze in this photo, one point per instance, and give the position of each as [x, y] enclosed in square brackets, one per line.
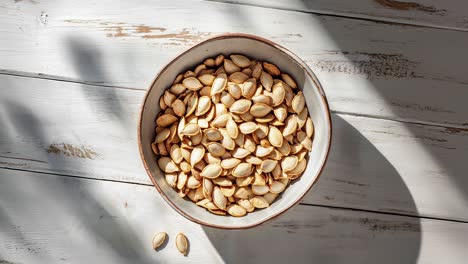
[256, 48]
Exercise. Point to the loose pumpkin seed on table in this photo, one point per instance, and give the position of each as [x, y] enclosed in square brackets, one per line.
[231, 135]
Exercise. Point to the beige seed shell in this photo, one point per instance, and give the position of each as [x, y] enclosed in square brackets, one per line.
[268, 165]
[197, 155]
[191, 129]
[236, 210]
[165, 120]
[182, 243]
[298, 102]
[240, 106]
[167, 165]
[212, 171]
[207, 79]
[219, 199]
[271, 69]
[260, 189]
[289, 163]
[216, 149]
[275, 137]
[204, 105]
[238, 77]
[248, 127]
[218, 84]
[242, 170]
[230, 163]
[289, 80]
[266, 80]
[159, 239]
[259, 202]
[277, 187]
[240, 60]
[232, 129]
[260, 110]
[192, 83]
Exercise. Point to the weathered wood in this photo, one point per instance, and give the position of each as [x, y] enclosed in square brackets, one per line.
[52, 219]
[432, 13]
[90, 131]
[374, 69]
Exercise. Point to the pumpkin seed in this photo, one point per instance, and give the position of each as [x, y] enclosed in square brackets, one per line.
[219, 199]
[268, 165]
[191, 130]
[193, 183]
[266, 80]
[216, 149]
[171, 179]
[165, 120]
[213, 134]
[248, 127]
[219, 59]
[289, 80]
[206, 79]
[260, 189]
[238, 77]
[309, 127]
[290, 125]
[240, 106]
[229, 163]
[159, 239]
[197, 155]
[271, 68]
[218, 84]
[277, 187]
[242, 170]
[240, 60]
[298, 102]
[230, 67]
[167, 165]
[212, 171]
[192, 83]
[236, 210]
[232, 129]
[182, 243]
[270, 197]
[204, 105]
[177, 89]
[223, 181]
[249, 87]
[234, 90]
[240, 153]
[275, 137]
[260, 110]
[289, 163]
[259, 202]
[246, 205]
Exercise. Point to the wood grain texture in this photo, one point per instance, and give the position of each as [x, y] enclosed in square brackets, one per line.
[90, 131]
[440, 14]
[52, 219]
[373, 69]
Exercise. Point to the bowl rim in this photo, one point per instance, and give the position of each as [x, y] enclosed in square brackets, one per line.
[293, 57]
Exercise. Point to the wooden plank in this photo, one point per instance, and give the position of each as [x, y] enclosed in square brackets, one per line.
[51, 219]
[373, 69]
[90, 131]
[439, 14]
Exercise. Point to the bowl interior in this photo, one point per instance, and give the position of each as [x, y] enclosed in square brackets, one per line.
[260, 50]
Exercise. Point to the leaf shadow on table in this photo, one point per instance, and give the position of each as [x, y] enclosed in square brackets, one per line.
[311, 233]
[86, 59]
[402, 83]
[71, 204]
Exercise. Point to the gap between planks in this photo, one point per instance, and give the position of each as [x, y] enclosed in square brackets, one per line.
[382, 20]
[301, 203]
[70, 80]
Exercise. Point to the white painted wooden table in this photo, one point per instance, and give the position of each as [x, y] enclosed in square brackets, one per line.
[72, 77]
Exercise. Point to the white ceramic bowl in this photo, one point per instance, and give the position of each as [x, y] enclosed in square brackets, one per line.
[260, 49]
